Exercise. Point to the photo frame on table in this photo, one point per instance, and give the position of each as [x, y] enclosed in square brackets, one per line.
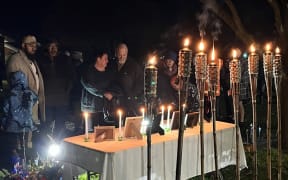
[132, 127]
[104, 133]
[190, 119]
[175, 120]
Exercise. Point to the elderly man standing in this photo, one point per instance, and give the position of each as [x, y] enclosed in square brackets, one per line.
[131, 79]
[24, 61]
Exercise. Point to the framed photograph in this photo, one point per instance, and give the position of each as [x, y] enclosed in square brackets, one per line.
[190, 119]
[132, 127]
[104, 133]
[175, 120]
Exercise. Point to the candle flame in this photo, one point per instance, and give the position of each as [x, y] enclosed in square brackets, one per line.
[169, 107]
[277, 50]
[268, 47]
[152, 60]
[252, 48]
[142, 109]
[162, 107]
[85, 115]
[213, 54]
[119, 112]
[234, 53]
[186, 42]
[201, 46]
[184, 105]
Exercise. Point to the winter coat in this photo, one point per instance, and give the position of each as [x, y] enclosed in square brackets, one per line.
[17, 107]
[20, 62]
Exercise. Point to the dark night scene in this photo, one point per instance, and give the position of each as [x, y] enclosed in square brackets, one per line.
[144, 90]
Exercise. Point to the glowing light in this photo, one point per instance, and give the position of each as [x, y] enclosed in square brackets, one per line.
[54, 150]
[85, 115]
[277, 50]
[186, 42]
[152, 60]
[143, 112]
[213, 54]
[252, 48]
[268, 47]
[201, 46]
[234, 53]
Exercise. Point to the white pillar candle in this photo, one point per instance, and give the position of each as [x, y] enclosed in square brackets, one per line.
[162, 114]
[143, 112]
[168, 117]
[120, 122]
[86, 125]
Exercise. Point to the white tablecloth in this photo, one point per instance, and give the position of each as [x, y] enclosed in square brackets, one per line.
[127, 159]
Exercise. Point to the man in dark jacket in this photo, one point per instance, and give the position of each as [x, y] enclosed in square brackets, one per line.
[130, 78]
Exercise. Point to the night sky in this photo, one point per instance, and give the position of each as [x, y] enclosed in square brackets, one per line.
[146, 25]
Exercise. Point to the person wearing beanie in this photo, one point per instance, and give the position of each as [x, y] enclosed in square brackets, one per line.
[167, 91]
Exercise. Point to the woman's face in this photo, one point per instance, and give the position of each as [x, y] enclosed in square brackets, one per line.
[103, 60]
[169, 63]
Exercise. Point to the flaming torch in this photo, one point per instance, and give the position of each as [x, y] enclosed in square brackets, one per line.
[253, 64]
[184, 70]
[213, 79]
[277, 69]
[268, 70]
[150, 93]
[235, 76]
[200, 75]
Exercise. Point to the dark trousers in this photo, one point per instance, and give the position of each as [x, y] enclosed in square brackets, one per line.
[59, 114]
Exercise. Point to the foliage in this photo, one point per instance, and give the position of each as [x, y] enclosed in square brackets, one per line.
[47, 171]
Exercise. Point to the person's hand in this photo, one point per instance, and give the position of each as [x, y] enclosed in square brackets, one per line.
[108, 96]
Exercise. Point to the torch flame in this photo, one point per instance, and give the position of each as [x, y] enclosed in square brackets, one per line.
[268, 47]
[201, 46]
[234, 53]
[252, 48]
[152, 60]
[277, 50]
[186, 42]
[213, 54]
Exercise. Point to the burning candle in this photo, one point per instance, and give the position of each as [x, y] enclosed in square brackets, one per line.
[162, 114]
[86, 125]
[168, 117]
[183, 107]
[143, 112]
[120, 123]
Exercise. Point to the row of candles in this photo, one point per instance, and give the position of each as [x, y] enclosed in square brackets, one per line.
[120, 120]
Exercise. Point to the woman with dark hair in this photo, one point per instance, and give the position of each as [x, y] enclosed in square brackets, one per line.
[99, 90]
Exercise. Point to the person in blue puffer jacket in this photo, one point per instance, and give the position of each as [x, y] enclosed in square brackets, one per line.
[16, 119]
[17, 107]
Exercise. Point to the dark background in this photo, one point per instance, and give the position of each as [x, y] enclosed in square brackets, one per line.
[145, 25]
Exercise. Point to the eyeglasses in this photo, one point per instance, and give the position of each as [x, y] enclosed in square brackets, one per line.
[31, 44]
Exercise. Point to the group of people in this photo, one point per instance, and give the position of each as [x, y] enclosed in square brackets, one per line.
[46, 91]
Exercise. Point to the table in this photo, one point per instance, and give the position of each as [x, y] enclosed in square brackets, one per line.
[127, 159]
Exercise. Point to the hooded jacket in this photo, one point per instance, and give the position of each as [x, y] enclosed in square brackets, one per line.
[17, 107]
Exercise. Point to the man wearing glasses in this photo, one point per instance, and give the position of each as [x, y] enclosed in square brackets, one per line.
[24, 61]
